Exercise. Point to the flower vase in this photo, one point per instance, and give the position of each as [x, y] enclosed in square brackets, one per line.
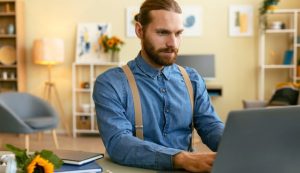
[114, 56]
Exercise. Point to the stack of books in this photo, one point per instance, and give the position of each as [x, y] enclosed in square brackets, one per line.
[79, 161]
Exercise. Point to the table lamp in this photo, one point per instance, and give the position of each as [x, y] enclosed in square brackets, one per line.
[50, 51]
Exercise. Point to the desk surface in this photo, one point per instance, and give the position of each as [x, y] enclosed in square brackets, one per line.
[109, 166]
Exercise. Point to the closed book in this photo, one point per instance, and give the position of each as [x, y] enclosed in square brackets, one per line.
[91, 167]
[77, 157]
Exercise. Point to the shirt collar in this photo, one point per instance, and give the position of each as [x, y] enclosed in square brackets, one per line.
[150, 71]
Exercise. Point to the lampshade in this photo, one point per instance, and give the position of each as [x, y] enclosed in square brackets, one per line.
[48, 51]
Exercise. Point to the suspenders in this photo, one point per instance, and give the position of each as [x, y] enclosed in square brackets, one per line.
[137, 102]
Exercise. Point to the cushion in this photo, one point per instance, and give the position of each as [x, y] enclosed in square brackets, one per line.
[285, 95]
[41, 122]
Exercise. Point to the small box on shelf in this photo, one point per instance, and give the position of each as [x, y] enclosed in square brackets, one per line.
[83, 122]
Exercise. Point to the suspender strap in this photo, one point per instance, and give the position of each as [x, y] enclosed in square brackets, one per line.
[136, 102]
[189, 86]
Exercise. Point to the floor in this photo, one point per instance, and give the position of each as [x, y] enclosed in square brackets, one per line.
[92, 143]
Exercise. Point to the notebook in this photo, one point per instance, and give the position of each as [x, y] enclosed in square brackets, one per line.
[77, 157]
[260, 141]
[91, 167]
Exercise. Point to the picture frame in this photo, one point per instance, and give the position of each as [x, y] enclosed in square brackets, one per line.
[88, 49]
[192, 20]
[240, 20]
[130, 22]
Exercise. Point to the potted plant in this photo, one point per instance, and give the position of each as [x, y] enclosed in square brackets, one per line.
[267, 6]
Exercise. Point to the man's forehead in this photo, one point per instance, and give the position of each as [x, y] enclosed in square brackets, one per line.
[163, 16]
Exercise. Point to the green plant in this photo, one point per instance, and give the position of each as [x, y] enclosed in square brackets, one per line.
[267, 5]
[39, 162]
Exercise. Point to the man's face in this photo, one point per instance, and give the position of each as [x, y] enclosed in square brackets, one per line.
[161, 38]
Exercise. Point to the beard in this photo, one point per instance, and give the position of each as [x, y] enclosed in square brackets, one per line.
[154, 55]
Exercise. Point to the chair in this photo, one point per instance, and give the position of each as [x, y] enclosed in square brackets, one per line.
[23, 113]
[287, 100]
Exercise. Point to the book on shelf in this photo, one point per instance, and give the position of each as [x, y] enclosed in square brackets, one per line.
[91, 167]
[77, 157]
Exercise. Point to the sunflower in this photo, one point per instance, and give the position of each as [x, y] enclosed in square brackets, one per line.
[40, 165]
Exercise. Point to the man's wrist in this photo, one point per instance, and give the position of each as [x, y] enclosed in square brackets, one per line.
[178, 159]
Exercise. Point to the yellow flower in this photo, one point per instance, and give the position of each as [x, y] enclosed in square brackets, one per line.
[40, 162]
[110, 43]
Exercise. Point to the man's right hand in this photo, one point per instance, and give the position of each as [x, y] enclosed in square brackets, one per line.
[194, 162]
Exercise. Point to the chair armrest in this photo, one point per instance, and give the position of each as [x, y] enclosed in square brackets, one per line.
[248, 104]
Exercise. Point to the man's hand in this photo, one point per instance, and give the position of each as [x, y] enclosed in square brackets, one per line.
[194, 162]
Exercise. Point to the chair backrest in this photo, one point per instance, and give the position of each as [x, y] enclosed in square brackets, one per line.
[25, 105]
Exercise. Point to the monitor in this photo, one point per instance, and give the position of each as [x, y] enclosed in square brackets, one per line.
[204, 64]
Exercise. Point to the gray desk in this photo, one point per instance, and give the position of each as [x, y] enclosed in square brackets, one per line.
[108, 165]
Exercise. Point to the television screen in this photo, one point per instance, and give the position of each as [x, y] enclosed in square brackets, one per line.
[204, 64]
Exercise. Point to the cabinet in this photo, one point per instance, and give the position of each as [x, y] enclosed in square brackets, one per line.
[12, 62]
[278, 50]
[83, 78]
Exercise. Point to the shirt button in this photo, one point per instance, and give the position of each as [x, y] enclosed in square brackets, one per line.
[167, 110]
[162, 90]
[165, 134]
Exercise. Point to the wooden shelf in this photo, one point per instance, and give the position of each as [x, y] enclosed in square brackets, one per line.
[11, 13]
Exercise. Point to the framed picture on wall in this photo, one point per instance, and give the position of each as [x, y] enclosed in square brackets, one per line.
[130, 22]
[240, 20]
[192, 20]
[88, 49]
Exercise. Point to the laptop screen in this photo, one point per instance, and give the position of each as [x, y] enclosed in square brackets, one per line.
[260, 141]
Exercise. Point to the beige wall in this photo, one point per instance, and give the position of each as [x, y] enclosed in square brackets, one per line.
[236, 57]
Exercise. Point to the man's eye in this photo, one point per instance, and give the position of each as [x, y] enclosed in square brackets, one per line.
[162, 33]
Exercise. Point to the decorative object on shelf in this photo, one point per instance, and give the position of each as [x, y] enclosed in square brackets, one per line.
[44, 161]
[85, 107]
[267, 6]
[4, 75]
[87, 47]
[288, 57]
[85, 85]
[240, 20]
[50, 52]
[111, 45]
[10, 29]
[7, 55]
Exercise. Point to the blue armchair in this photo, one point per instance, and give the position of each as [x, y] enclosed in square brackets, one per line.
[23, 113]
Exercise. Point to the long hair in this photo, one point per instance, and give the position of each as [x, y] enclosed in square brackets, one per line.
[144, 15]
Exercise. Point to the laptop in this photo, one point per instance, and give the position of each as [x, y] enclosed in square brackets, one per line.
[260, 141]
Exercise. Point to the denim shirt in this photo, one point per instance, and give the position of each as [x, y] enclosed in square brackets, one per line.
[166, 112]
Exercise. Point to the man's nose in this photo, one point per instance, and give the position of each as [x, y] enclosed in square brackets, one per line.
[172, 41]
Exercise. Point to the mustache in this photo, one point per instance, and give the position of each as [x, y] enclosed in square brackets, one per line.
[168, 49]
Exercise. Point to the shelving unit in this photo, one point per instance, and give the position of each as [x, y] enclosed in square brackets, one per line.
[83, 78]
[12, 61]
[275, 42]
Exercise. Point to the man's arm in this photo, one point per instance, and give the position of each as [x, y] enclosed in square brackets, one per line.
[116, 128]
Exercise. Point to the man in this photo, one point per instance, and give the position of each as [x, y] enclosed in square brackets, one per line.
[166, 108]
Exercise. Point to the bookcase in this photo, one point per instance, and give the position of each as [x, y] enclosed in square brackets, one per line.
[12, 61]
[83, 79]
[278, 51]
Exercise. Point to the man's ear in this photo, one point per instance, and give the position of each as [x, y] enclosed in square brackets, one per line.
[138, 29]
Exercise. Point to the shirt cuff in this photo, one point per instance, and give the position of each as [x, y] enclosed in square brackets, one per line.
[164, 158]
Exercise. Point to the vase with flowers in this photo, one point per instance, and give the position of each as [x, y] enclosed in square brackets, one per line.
[111, 45]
